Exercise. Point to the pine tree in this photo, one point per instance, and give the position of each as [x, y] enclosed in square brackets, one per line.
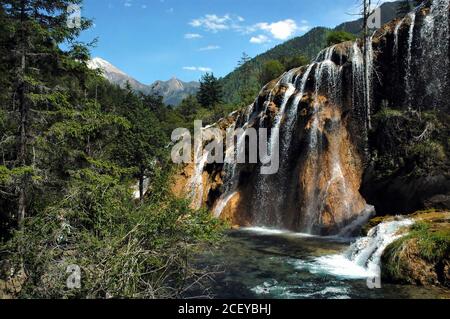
[246, 91]
[210, 92]
[35, 64]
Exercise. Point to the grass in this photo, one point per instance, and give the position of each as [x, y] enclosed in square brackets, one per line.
[419, 257]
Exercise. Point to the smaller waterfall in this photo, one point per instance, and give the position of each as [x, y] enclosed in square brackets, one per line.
[367, 251]
[409, 77]
[362, 259]
[368, 80]
[195, 187]
[292, 114]
[396, 31]
[433, 60]
[357, 80]
[264, 190]
[232, 173]
[329, 83]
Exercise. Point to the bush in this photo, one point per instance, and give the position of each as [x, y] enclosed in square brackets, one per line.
[336, 37]
[270, 71]
[123, 250]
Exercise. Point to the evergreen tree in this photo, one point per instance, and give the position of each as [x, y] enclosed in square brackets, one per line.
[210, 92]
[35, 68]
[270, 71]
[336, 37]
[247, 92]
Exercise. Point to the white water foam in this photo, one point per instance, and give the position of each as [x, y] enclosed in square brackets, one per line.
[363, 258]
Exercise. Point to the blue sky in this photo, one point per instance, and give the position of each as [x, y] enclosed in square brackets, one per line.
[158, 39]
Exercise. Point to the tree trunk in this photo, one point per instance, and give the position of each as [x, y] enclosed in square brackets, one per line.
[23, 109]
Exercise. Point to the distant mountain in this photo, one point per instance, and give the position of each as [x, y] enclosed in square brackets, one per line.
[308, 45]
[173, 91]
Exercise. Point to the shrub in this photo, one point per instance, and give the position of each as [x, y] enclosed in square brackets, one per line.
[123, 250]
[336, 37]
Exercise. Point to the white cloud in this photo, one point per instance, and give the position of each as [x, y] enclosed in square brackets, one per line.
[280, 30]
[197, 68]
[190, 36]
[212, 22]
[260, 39]
[210, 48]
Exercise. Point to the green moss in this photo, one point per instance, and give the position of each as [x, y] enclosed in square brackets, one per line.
[428, 151]
[414, 257]
[433, 241]
[386, 113]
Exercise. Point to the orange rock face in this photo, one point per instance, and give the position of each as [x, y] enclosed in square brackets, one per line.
[330, 177]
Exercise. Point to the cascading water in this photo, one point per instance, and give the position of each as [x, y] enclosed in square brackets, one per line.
[408, 77]
[264, 190]
[396, 31]
[362, 259]
[196, 186]
[330, 85]
[357, 80]
[433, 59]
[292, 114]
[368, 81]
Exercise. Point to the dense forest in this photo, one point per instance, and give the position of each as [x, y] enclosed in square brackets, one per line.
[72, 148]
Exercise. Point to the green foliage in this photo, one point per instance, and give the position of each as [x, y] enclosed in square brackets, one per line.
[410, 143]
[270, 71]
[292, 62]
[336, 37]
[84, 144]
[123, 250]
[210, 92]
[428, 152]
[434, 244]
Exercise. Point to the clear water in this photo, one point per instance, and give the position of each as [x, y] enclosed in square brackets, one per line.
[272, 264]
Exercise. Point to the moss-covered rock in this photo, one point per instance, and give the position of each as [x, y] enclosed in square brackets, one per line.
[423, 256]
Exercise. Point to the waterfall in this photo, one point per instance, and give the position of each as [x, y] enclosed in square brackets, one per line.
[396, 30]
[408, 78]
[292, 114]
[363, 258]
[357, 79]
[232, 173]
[368, 81]
[263, 184]
[433, 60]
[196, 184]
[367, 251]
[332, 79]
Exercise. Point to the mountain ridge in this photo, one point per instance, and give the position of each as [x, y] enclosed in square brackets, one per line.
[173, 91]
